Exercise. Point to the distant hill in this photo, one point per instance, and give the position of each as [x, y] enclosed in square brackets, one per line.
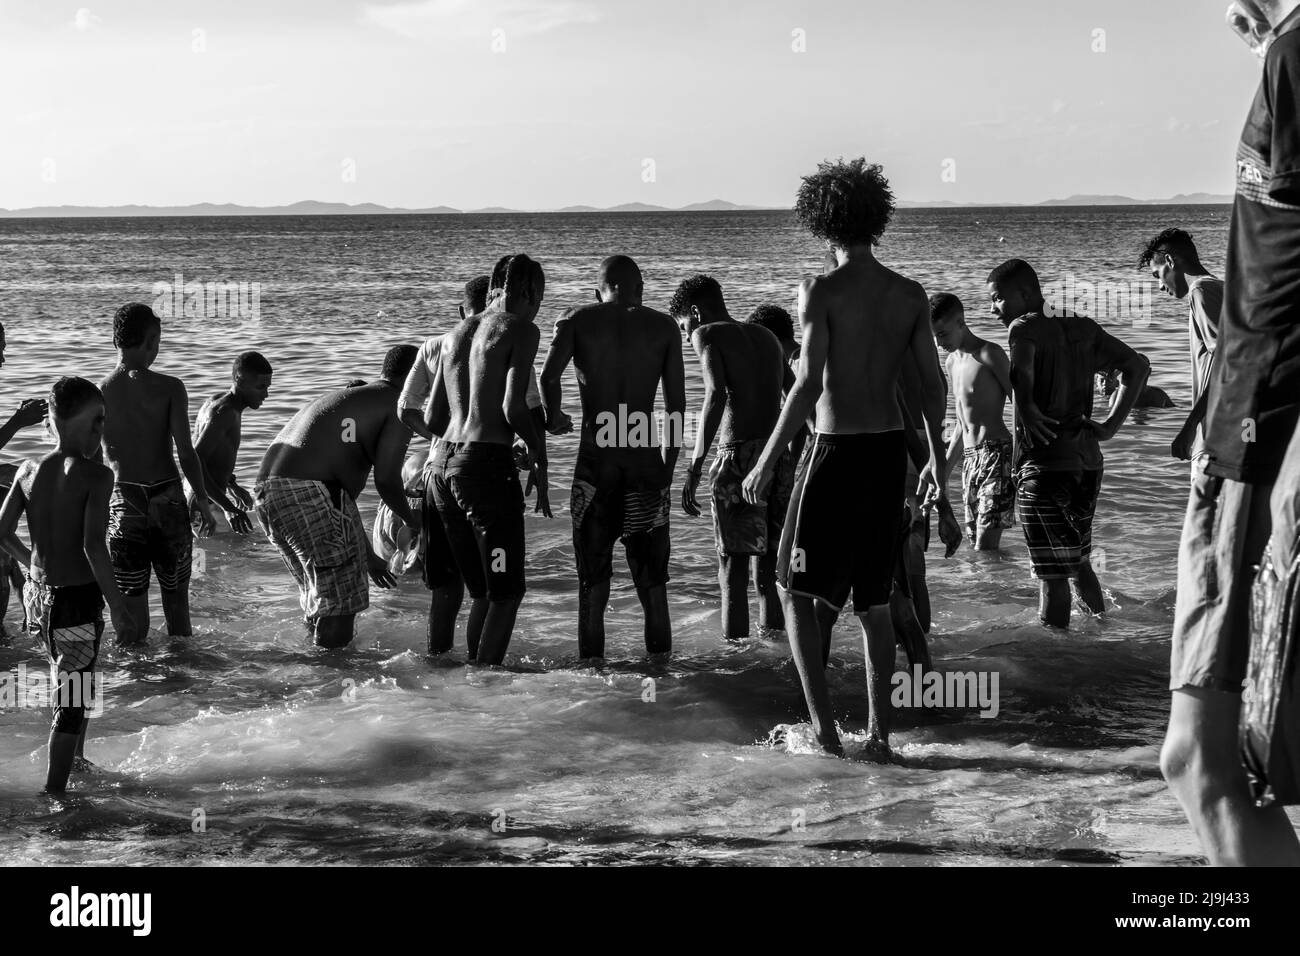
[310, 207]
[716, 205]
[1182, 199]
[307, 207]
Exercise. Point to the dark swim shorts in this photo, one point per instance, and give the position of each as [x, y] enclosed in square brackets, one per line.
[1056, 511]
[841, 533]
[478, 496]
[739, 527]
[149, 528]
[71, 622]
[439, 562]
[621, 494]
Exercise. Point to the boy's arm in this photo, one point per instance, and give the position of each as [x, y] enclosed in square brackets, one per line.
[14, 505]
[1036, 426]
[416, 389]
[803, 395]
[521, 419]
[558, 357]
[94, 542]
[30, 412]
[934, 394]
[1182, 444]
[437, 415]
[390, 453]
[191, 467]
[673, 377]
[715, 404]
[1134, 369]
[219, 431]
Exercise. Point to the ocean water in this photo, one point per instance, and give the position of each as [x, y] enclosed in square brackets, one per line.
[245, 744]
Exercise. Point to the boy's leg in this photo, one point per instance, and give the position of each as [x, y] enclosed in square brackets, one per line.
[593, 599]
[478, 609]
[1054, 602]
[1053, 540]
[1083, 508]
[771, 615]
[1202, 762]
[498, 626]
[335, 631]
[444, 608]
[878, 641]
[647, 559]
[826, 618]
[63, 750]
[804, 624]
[988, 539]
[172, 555]
[733, 580]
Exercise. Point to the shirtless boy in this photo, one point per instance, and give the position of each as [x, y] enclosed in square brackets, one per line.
[861, 322]
[307, 487]
[65, 497]
[218, 430]
[478, 407]
[742, 364]
[980, 374]
[146, 416]
[623, 353]
[1058, 456]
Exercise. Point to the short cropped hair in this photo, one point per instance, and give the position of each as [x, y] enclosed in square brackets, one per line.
[1017, 273]
[70, 394]
[1171, 240]
[846, 203]
[132, 324]
[250, 363]
[775, 319]
[476, 294]
[398, 362]
[699, 289]
[941, 304]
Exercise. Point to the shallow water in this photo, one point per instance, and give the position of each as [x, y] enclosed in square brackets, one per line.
[292, 755]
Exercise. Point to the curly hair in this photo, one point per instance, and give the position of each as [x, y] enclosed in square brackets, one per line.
[776, 320]
[1171, 240]
[699, 289]
[132, 324]
[846, 203]
[69, 395]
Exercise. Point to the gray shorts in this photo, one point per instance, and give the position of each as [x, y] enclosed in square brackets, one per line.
[1224, 536]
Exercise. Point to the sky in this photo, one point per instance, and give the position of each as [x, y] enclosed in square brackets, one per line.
[538, 104]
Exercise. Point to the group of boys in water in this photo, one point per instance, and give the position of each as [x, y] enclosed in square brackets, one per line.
[831, 457]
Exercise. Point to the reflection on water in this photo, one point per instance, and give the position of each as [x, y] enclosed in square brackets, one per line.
[275, 752]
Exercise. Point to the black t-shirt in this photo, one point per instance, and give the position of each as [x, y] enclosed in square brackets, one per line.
[1068, 352]
[1254, 399]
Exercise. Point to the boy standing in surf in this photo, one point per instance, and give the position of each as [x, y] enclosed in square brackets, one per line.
[65, 496]
[742, 364]
[861, 322]
[623, 352]
[1059, 463]
[147, 416]
[218, 431]
[980, 374]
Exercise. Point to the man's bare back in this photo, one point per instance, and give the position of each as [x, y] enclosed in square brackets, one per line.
[338, 438]
[57, 489]
[747, 362]
[620, 353]
[865, 347]
[481, 369]
[144, 410]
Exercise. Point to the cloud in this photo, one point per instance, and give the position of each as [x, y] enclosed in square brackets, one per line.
[1175, 125]
[85, 20]
[1059, 106]
[465, 18]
